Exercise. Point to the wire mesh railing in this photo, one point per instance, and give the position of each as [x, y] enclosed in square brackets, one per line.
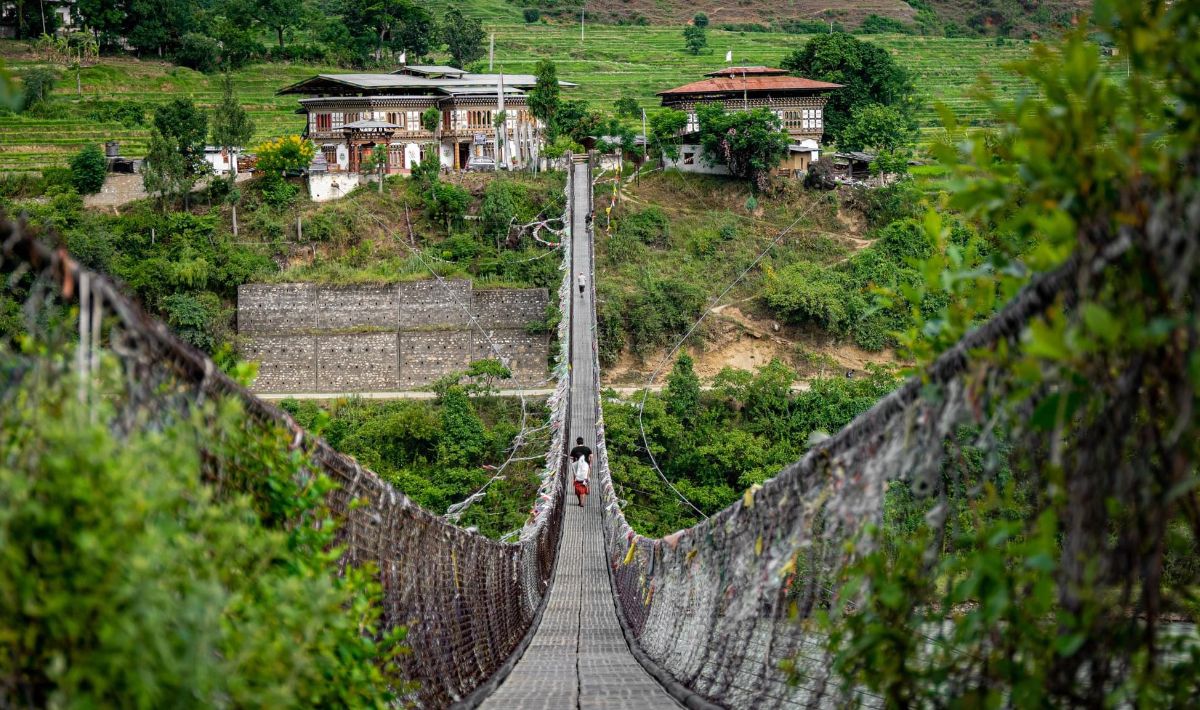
[467, 601]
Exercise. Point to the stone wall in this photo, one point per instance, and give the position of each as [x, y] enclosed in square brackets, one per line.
[314, 338]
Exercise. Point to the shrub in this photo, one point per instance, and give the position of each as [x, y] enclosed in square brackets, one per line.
[447, 203]
[195, 317]
[627, 107]
[500, 201]
[89, 167]
[36, 86]
[277, 192]
[650, 226]
[810, 293]
[532, 14]
[283, 154]
[144, 599]
[700, 20]
[876, 24]
[199, 52]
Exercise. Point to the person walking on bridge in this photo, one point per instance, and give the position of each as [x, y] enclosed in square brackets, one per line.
[582, 283]
[581, 469]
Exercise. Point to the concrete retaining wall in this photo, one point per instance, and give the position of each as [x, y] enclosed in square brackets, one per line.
[314, 338]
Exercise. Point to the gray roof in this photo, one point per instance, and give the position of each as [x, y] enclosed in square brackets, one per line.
[429, 69]
[402, 82]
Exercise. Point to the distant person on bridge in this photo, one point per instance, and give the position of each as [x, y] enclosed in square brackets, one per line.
[581, 468]
[582, 283]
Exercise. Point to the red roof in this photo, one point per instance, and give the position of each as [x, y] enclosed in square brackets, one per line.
[750, 83]
[739, 71]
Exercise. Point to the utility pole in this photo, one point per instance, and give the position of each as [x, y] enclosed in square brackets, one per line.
[645, 142]
[492, 52]
[582, 14]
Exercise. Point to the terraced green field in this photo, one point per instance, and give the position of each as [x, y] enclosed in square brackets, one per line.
[612, 61]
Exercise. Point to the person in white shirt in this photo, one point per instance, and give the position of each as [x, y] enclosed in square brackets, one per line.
[582, 282]
[581, 469]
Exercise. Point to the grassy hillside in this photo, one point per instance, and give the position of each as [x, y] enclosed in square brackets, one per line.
[1011, 17]
[611, 61]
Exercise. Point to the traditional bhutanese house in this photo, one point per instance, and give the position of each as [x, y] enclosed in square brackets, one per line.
[798, 102]
[349, 116]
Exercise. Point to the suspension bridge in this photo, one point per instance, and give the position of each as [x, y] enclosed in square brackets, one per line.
[581, 611]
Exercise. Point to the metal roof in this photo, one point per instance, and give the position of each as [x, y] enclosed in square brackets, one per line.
[384, 82]
[739, 71]
[429, 69]
[750, 83]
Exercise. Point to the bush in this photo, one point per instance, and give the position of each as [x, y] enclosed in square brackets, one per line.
[820, 176]
[89, 167]
[500, 201]
[36, 86]
[650, 227]
[195, 317]
[199, 52]
[290, 153]
[627, 107]
[532, 14]
[277, 192]
[447, 203]
[57, 177]
[875, 24]
[144, 599]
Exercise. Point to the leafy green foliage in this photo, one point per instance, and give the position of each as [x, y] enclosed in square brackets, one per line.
[36, 85]
[463, 36]
[145, 599]
[232, 127]
[664, 131]
[186, 126]
[437, 451]
[695, 39]
[199, 52]
[89, 167]
[1066, 568]
[712, 444]
[627, 107]
[749, 143]
[543, 97]
[867, 73]
[875, 127]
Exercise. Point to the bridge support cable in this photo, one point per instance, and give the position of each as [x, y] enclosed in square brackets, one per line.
[468, 602]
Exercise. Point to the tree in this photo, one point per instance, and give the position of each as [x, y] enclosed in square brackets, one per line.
[36, 86]
[232, 127]
[376, 163]
[665, 127]
[490, 370]
[200, 52]
[187, 125]
[700, 20]
[576, 120]
[281, 155]
[867, 73]
[105, 17]
[395, 25]
[279, 15]
[876, 128]
[463, 36]
[89, 167]
[695, 39]
[627, 107]
[543, 98]
[165, 170]
[749, 143]
[431, 120]
[159, 25]
[683, 390]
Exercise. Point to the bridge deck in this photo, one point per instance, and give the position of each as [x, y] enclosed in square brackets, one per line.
[578, 657]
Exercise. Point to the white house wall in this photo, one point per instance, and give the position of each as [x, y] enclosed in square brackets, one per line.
[691, 160]
[323, 187]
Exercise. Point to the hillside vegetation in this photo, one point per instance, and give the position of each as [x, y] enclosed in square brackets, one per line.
[935, 17]
[612, 62]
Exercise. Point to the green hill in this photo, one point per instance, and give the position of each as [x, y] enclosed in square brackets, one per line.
[610, 62]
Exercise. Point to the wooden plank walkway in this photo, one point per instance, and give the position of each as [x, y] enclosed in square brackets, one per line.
[578, 657]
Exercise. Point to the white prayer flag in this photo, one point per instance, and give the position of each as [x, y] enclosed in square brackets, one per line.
[729, 56]
[404, 57]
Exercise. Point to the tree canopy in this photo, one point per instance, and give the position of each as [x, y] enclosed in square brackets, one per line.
[867, 73]
[463, 36]
[749, 143]
[543, 97]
